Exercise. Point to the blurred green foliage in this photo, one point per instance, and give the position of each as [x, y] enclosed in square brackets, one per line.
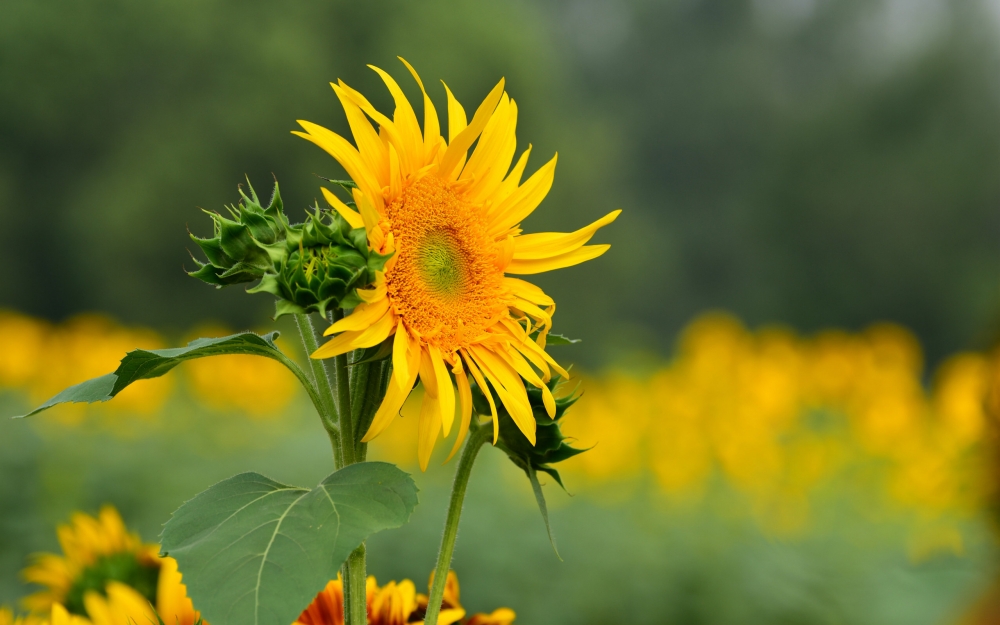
[812, 162]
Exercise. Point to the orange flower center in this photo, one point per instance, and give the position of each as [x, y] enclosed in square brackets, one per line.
[444, 282]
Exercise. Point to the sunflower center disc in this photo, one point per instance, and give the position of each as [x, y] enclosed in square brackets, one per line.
[444, 282]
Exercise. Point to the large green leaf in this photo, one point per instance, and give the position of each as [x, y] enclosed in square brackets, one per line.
[142, 364]
[255, 552]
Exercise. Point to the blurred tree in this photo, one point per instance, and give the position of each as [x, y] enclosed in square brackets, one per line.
[815, 162]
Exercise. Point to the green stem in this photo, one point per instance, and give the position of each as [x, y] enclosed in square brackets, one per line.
[317, 385]
[328, 409]
[477, 437]
[355, 604]
[342, 388]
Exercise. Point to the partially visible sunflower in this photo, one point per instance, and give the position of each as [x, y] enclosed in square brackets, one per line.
[396, 604]
[453, 223]
[107, 574]
[96, 551]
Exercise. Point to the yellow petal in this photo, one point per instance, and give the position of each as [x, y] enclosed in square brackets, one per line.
[432, 127]
[517, 361]
[464, 408]
[494, 151]
[427, 376]
[400, 353]
[510, 183]
[427, 429]
[395, 175]
[370, 336]
[411, 157]
[351, 216]
[481, 382]
[525, 199]
[362, 318]
[388, 132]
[445, 391]
[370, 147]
[527, 291]
[456, 115]
[348, 157]
[509, 387]
[575, 257]
[532, 347]
[549, 244]
[396, 393]
[460, 145]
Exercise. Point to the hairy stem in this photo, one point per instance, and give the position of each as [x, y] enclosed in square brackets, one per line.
[477, 436]
[319, 387]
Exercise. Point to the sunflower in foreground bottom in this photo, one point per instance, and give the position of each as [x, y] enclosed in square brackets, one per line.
[452, 222]
[106, 576]
[397, 604]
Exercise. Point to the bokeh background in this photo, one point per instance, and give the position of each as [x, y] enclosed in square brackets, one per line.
[827, 171]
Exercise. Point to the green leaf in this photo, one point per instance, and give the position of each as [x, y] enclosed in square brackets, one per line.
[536, 488]
[346, 185]
[256, 552]
[142, 364]
[559, 339]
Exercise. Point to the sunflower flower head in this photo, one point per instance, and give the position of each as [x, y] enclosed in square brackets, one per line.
[314, 266]
[96, 552]
[448, 297]
[397, 603]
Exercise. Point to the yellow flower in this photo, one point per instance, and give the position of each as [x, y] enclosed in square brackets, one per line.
[96, 550]
[453, 223]
[107, 574]
[396, 604]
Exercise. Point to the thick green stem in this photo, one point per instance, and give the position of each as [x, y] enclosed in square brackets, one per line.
[477, 437]
[355, 604]
[317, 386]
[342, 389]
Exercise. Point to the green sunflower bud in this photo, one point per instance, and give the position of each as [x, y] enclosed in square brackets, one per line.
[314, 266]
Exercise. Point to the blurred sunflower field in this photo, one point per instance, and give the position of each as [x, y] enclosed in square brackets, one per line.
[794, 477]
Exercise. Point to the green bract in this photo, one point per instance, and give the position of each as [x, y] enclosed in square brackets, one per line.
[314, 266]
[550, 444]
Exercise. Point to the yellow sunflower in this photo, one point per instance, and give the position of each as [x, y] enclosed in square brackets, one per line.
[105, 572]
[453, 223]
[96, 550]
[396, 603]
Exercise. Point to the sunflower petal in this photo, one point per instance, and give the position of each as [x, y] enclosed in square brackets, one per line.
[369, 337]
[348, 157]
[427, 429]
[464, 408]
[575, 257]
[401, 347]
[460, 145]
[362, 317]
[370, 147]
[395, 396]
[351, 216]
[432, 127]
[550, 244]
[445, 391]
[411, 157]
[525, 199]
[481, 382]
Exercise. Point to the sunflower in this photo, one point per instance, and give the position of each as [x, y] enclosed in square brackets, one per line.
[453, 224]
[396, 603]
[96, 550]
[106, 572]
